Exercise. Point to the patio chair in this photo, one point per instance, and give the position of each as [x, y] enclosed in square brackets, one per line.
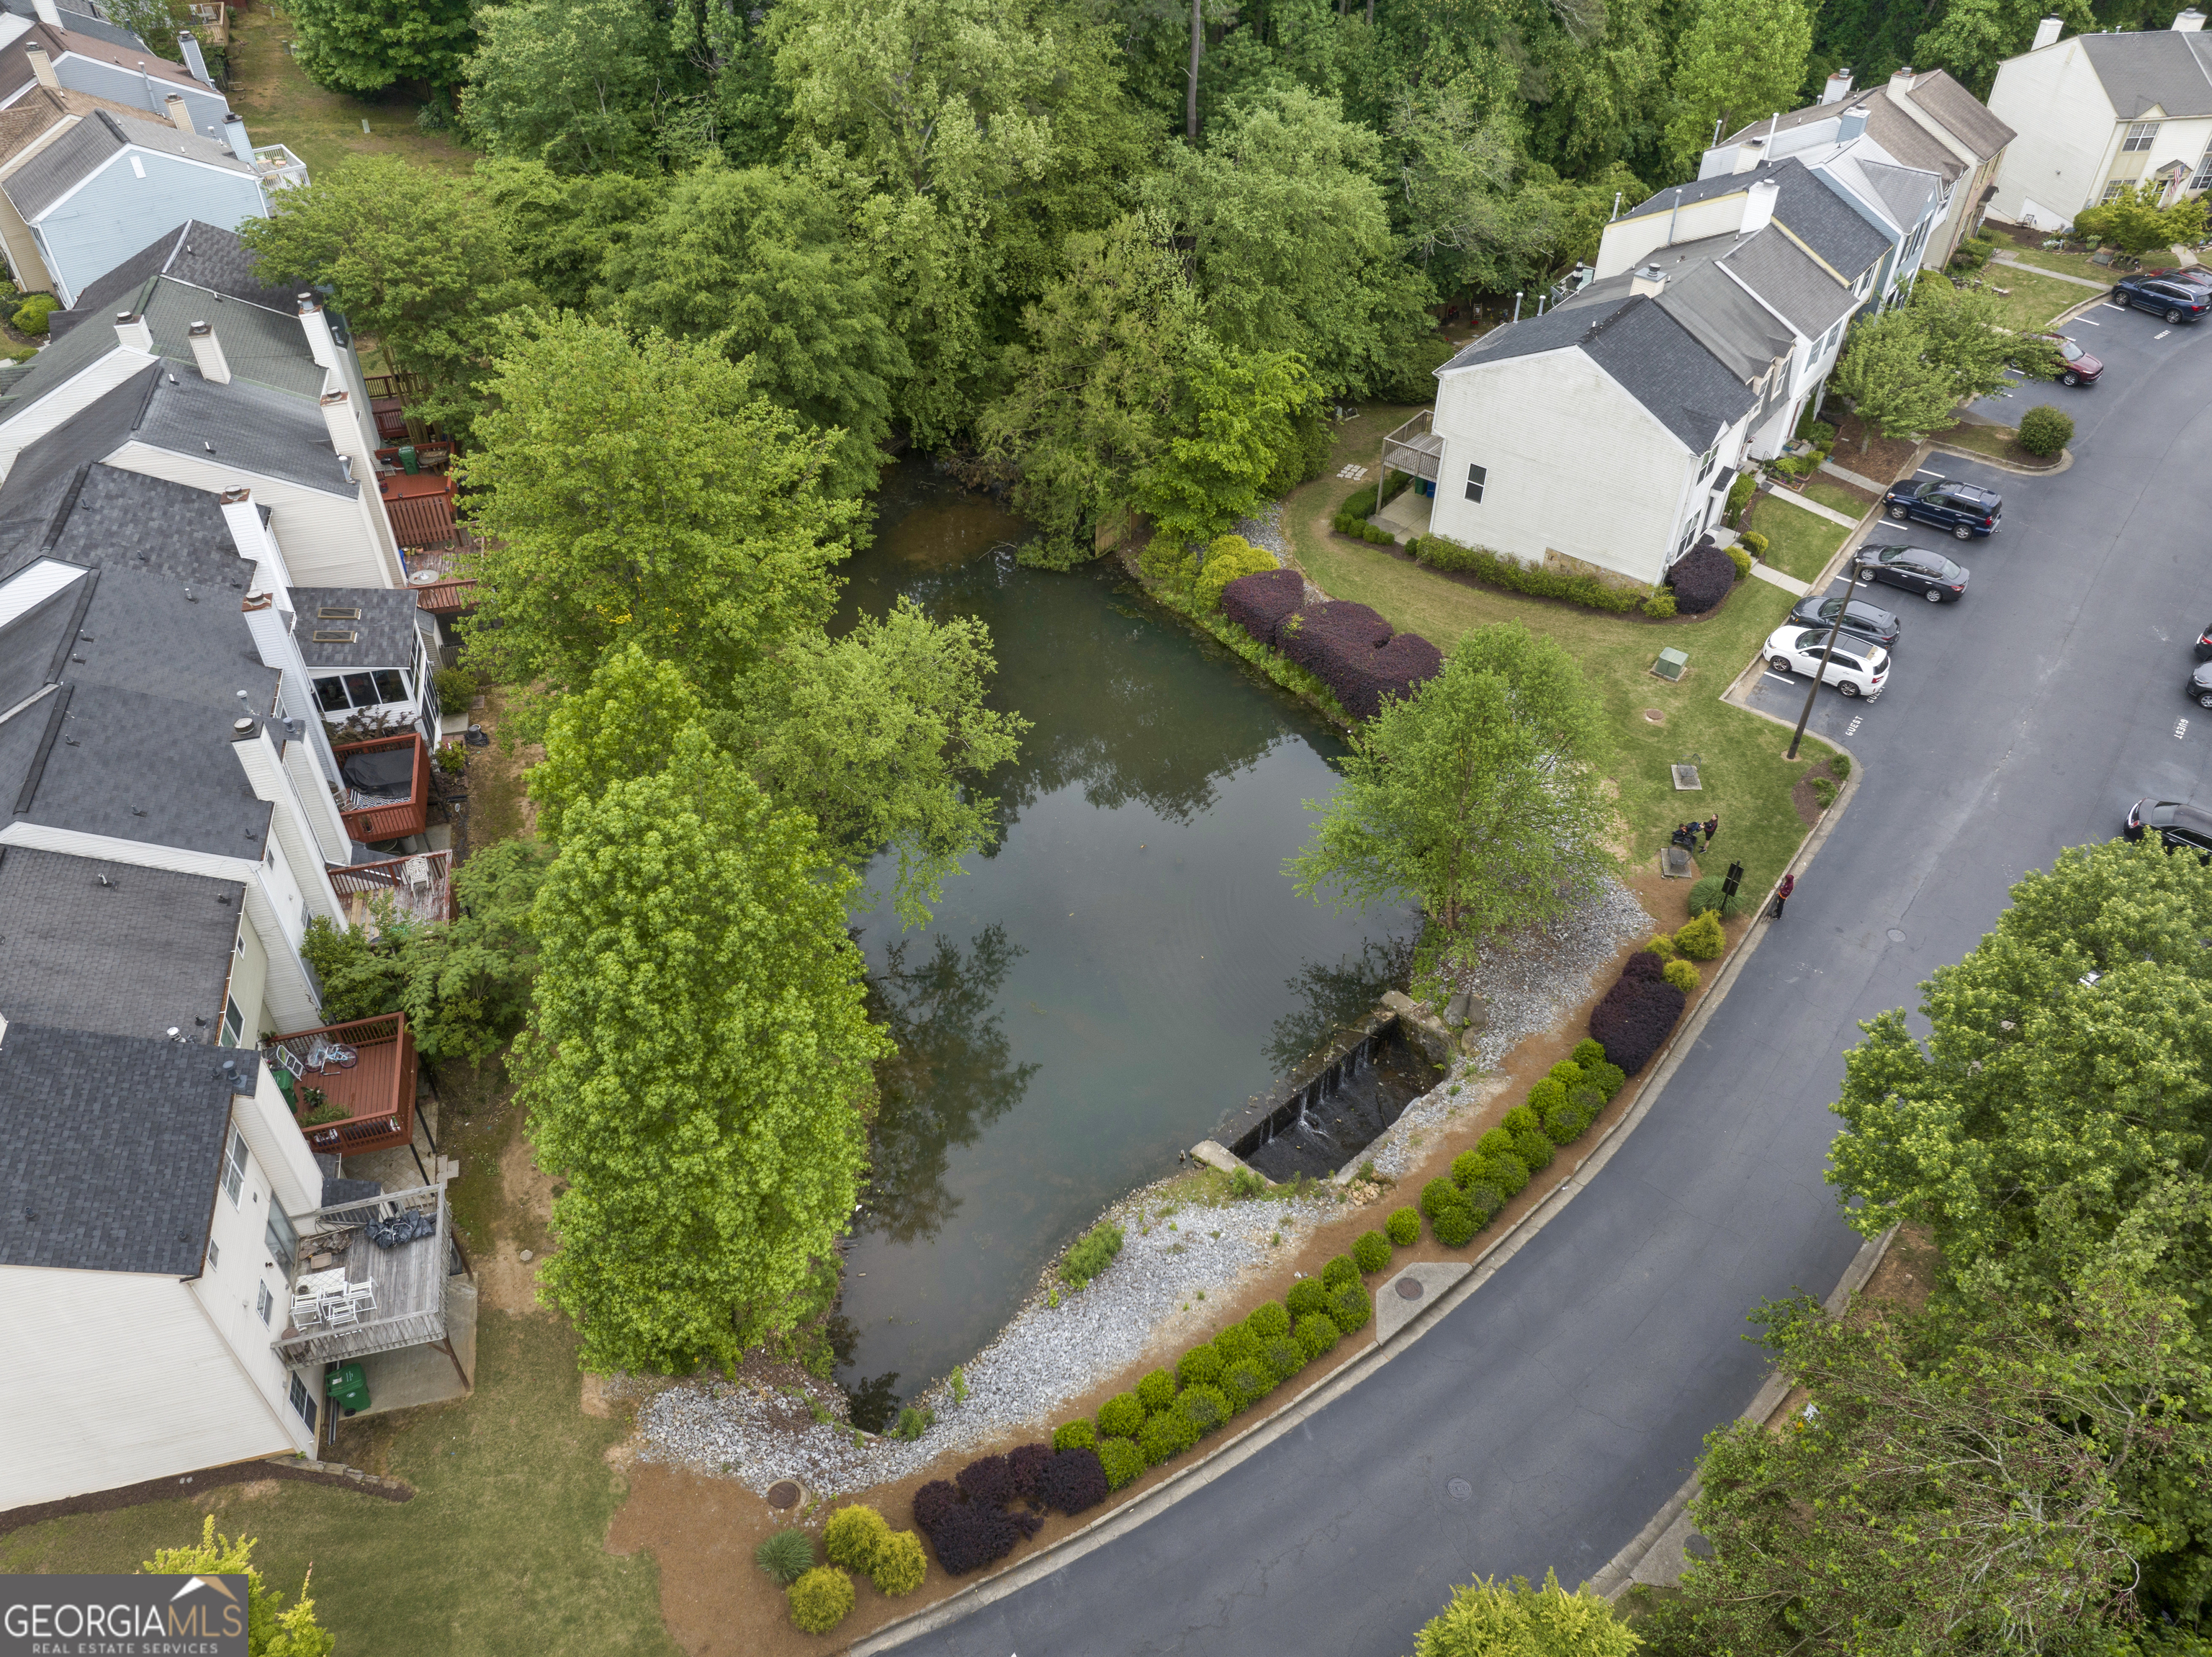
[361, 1296]
[305, 1309]
[415, 875]
[340, 1309]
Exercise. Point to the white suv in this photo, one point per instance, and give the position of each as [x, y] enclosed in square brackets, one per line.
[1854, 667]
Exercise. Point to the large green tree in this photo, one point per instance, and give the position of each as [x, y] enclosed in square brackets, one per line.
[1237, 414]
[585, 86]
[1479, 795]
[1961, 336]
[2071, 1051]
[1894, 387]
[697, 1067]
[642, 490]
[1739, 61]
[363, 48]
[760, 263]
[1971, 38]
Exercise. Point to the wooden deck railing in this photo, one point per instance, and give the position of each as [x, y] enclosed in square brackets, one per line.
[377, 1094]
[421, 885]
[423, 520]
[369, 823]
[448, 597]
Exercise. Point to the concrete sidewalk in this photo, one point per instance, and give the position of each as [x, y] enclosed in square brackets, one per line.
[1813, 507]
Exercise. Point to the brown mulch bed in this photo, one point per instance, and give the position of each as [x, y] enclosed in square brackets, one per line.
[163, 1489]
[1468, 578]
[1801, 796]
[1884, 461]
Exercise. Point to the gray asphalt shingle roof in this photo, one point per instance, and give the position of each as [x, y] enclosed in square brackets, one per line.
[1779, 272]
[1963, 115]
[82, 150]
[204, 256]
[145, 952]
[2161, 68]
[1651, 356]
[253, 427]
[385, 634]
[1808, 208]
[115, 1149]
[1724, 319]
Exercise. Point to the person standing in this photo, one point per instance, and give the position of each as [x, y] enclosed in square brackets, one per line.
[1782, 895]
[1712, 827]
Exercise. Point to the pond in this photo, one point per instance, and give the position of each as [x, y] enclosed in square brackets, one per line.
[1127, 965]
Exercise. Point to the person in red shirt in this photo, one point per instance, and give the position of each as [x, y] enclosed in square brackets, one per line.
[1782, 895]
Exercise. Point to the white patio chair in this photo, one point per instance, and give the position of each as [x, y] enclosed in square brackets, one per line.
[340, 1310]
[305, 1309]
[361, 1296]
[414, 874]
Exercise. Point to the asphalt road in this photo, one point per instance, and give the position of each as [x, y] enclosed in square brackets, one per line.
[1572, 1394]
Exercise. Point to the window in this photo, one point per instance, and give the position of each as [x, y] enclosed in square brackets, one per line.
[1477, 478]
[2111, 193]
[2203, 179]
[215, 1254]
[234, 1022]
[331, 696]
[2140, 135]
[303, 1403]
[390, 684]
[1706, 465]
[284, 1241]
[338, 692]
[262, 1299]
[234, 1171]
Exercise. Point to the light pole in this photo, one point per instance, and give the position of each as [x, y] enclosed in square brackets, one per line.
[1820, 672]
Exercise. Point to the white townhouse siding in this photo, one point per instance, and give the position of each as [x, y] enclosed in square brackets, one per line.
[332, 538]
[2098, 111]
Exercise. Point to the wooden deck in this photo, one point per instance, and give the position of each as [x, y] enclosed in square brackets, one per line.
[410, 1279]
[378, 1092]
[396, 821]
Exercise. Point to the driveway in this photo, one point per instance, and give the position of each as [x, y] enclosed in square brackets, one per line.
[1571, 1396]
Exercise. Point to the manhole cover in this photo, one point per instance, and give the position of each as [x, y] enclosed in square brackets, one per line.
[783, 1494]
[1698, 1547]
[1409, 1289]
[1655, 715]
[1461, 1489]
[1895, 937]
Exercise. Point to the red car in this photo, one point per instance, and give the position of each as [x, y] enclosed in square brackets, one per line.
[2081, 368]
[2196, 275]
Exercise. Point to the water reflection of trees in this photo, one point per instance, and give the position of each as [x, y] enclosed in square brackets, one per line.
[951, 1077]
[1331, 996]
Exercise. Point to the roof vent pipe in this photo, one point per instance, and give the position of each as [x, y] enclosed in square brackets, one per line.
[2047, 33]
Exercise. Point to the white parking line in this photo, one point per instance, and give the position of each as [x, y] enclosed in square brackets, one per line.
[1854, 725]
[2091, 320]
[2110, 307]
[2161, 333]
[1779, 678]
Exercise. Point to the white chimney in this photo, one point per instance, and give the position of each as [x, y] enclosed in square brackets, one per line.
[1648, 280]
[195, 60]
[234, 134]
[1759, 206]
[1901, 84]
[2047, 33]
[253, 541]
[266, 776]
[49, 13]
[132, 333]
[1850, 125]
[42, 67]
[2190, 22]
[320, 340]
[345, 438]
[1748, 154]
[207, 351]
[179, 117]
[1838, 88]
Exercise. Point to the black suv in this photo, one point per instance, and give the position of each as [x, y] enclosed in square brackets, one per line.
[2181, 828]
[1865, 621]
[2176, 301]
[1915, 569]
[1965, 509]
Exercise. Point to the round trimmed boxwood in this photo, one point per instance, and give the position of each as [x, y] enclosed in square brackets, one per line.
[1123, 1460]
[1166, 1435]
[1156, 1392]
[1204, 1407]
[1455, 1226]
[1607, 1079]
[901, 1564]
[1246, 1382]
[1701, 939]
[1306, 1297]
[2044, 429]
[1546, 1093]
[1351, 1306]
[1269, 1320]
[1200, 1367]
[852, 1537]
[1568, 1122]
[1339, 1271]
[1120, 1417]
[1566, 1073]
[1405, 1224]
[1317, 1333]
[1234, 1342]
[1482, 1200]
[820, 1599]
[1438, 1194]
[1503, 1169]
[1588, 1051]
[1075, 1435]
[1531, 1143]
[1372, 1252]
[1282, 1355]
[1467, 1166]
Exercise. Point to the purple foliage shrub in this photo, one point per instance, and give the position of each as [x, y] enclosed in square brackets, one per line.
[1327, 633]
[931, 1503]
[1023, 1462]
[971, 1535]
[1634, 1018]
[1259, 603]
[1393, 671]
[1072, 1481]
[1701, 578]
[988, 1480]
[1644, 965]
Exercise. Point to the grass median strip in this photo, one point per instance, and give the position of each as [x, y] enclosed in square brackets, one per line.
[1798, 543]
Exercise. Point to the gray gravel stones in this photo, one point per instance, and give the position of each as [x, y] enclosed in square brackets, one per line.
[1046, 1356]
[1265, 529]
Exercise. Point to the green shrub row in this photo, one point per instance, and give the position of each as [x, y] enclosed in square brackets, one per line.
[1559, 1110]
[857, 1539]
[1496, 570]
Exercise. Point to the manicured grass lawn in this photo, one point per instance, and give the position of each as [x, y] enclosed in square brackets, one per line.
[283, 105]
[1799, 543]
[2035, 301]
[1746, 781]
[2072, 265]
[1836, 497]
[2000, 442]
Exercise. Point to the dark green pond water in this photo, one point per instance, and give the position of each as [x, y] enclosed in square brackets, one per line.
[1127, 963]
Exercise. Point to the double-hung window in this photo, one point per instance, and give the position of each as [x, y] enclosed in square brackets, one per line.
[234, 1167]
[1477, 478]
[263, 1302]
[1706, 465]
[303, 1402]
[234, 1022]
[2112, 192]
[2140, 137]
[2203, 179]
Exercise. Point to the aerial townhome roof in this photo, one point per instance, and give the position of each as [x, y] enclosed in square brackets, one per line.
[1730, 322]
[2166, 70]
[1934, 94]
[199, 254]
[1808, 210]
[89, 146]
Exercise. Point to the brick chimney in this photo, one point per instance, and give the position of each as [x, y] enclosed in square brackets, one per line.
[207, 351]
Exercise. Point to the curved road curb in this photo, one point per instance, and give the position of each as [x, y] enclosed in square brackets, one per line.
[1189, 1480]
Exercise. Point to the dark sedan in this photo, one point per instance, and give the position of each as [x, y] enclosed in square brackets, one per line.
[1965, 509]
[1915, 569]
[2179, 826]
[2176, 302]
[2081, 368]
[2204, 645]
[2199, 688]
[1865, 621]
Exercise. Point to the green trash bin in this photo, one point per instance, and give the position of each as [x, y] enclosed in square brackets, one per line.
[346, 1387]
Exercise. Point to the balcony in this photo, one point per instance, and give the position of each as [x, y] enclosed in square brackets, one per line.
[280, 169]
[418, 888]
[387, 782]
[421, 506]
[1415, 447]
[377, 1093]
[409, 1279]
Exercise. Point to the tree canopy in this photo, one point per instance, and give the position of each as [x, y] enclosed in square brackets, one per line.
[272, 1628]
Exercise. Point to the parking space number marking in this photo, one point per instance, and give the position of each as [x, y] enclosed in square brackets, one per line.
[2180, 729]
[1854, 725]
[2161, 333]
